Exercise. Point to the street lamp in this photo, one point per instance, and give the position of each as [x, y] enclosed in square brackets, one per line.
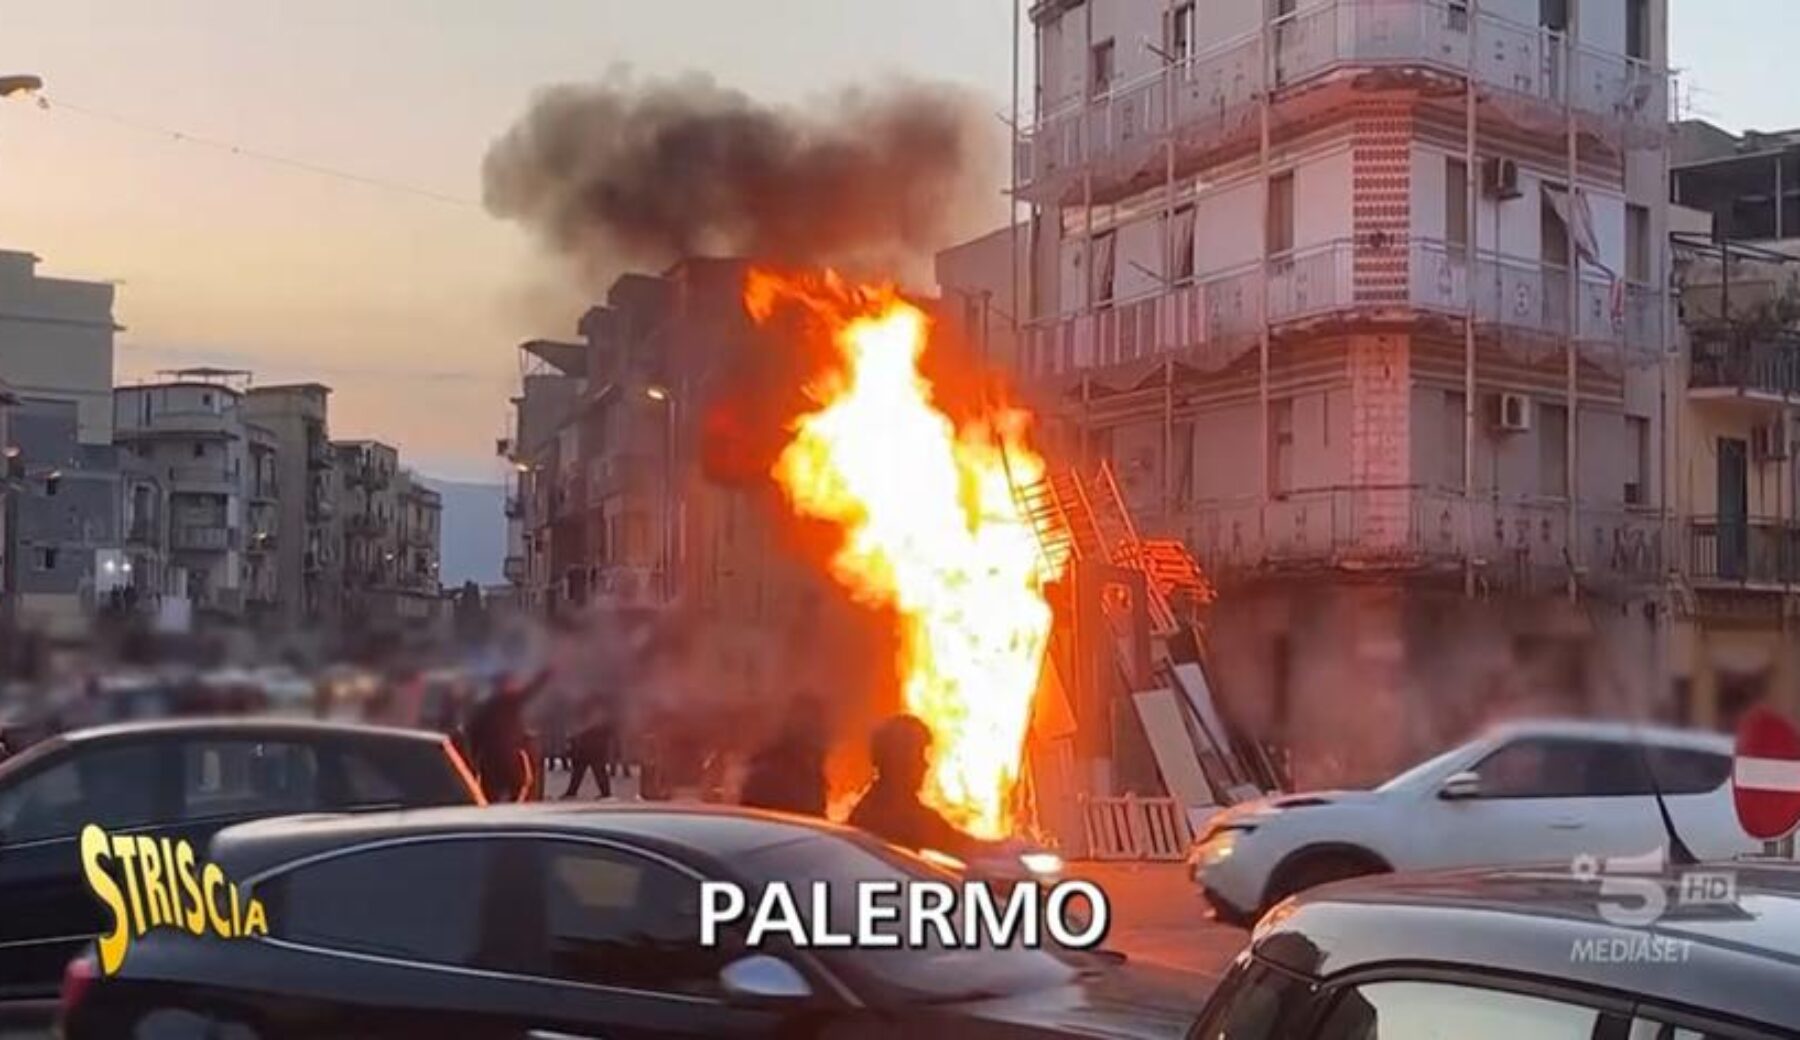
[22, 84]
[662, 395]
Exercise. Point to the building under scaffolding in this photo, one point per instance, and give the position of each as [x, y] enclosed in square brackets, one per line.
[1365, 304]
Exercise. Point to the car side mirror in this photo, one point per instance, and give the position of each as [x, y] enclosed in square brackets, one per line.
[1461, 787]
[761, 980]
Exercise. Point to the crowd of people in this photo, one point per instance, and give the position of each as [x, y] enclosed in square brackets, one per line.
[786, 774]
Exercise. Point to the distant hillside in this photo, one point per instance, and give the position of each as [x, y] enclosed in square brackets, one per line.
[474, 531]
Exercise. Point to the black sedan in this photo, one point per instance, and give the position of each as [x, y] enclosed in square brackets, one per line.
[552, 921]
[1695, 954]
[182, 780]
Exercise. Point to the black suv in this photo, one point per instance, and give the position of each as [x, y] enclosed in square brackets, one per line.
[181, 780]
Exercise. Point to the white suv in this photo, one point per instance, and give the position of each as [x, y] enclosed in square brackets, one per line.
[1524, 794]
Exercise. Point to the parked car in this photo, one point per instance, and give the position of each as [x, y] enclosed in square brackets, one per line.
[1510, 954]
[1525, 793]
[182, 779]
[554, 920]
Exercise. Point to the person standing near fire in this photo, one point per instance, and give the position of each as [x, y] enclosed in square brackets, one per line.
[497, 738]
[788, 774]
[891, 808]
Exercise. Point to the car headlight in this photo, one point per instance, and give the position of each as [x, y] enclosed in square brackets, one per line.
[1216, 849]
[1042, 864]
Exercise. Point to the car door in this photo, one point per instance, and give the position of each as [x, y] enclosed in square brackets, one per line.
[397, 938]
[47, 913]
[1547, 799]
[619, 954]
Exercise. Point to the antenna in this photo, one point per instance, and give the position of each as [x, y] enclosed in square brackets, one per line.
[1679, 854]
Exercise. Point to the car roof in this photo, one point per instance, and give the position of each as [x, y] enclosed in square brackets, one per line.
[709, 832]
[1737, 959]
[249, 726]
[1621, 732]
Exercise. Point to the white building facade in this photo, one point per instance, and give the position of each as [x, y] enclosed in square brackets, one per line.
[1337, 321]
[191, 434]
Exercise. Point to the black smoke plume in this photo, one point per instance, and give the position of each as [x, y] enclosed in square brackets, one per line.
[622, 174]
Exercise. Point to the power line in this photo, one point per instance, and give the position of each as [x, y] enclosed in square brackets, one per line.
[53, 104]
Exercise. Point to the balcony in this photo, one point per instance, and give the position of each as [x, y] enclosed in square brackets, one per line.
[515, 507]
[1744, 554]
[1209, 100]
[370, 476]
[513, 569]
[1765, 368]
[203, 538]
[203, 480]
[1217, 316]
[1518, 545]
[261, 542]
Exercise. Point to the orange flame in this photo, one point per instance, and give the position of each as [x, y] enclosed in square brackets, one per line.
[931, 529]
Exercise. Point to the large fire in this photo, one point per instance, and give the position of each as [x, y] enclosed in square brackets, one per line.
[931, 529]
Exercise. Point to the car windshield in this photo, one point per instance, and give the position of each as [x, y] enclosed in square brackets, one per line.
[1412, 777]
[934, 973]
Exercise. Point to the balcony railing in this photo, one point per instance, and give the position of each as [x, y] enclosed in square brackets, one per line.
[203, 538]
[1516, 544]
[206, 479]
[1220, 312]
[1747, 553]
[1209, 99]
[1763, 365]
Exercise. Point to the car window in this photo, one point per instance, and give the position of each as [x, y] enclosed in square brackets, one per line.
[1649, 1029]
[1433, 1010]
[423, 901]
[1255, 1002]
[240, 777]
[1537, 767]
[615, 919]
[112, 787]
[415, 773]
[1688, 771]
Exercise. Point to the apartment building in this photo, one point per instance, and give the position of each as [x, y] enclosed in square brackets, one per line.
[631, 493]
[1366, 303]
[10, 462]
[391, 524]
[1738, 475]
[421, 547]
[56, 341]
[306, 536]
[192, 433]
[66, 544]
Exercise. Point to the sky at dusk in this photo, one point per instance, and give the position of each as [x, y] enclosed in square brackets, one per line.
[410, 304]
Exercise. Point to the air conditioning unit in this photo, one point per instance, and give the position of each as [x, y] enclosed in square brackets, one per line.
[1500, 179]
[1770, 442]
[1512, 413]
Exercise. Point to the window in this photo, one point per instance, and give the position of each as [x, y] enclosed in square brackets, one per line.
[112, 787]
[1101, 69]
[1255, 1002]
[1637, 437]
[615, 919]
[1637, 244]
[1687, 771]
[1454, 426]
[1182, 231]
[199, 450]
[1554, 14]
[423, 901]
[1280, 217]
[243, 777]
[46, 558]
[1637, 29]
[1281, 446]
[1456, 202]
[1553, 450]
[1422, 1010]
[1105, 258]
[1456, 15]
[1181, 33]
[1564, 768]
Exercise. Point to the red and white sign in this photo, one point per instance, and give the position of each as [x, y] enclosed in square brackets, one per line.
[1765, 779]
